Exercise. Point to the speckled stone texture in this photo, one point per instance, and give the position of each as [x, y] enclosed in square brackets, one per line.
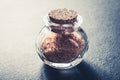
[21, 20]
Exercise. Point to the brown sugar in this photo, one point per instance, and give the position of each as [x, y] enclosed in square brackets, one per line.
[59, 48]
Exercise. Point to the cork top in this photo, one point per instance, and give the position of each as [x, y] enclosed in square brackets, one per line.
[63, 16]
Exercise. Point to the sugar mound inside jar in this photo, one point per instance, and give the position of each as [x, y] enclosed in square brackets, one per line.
[62, 48]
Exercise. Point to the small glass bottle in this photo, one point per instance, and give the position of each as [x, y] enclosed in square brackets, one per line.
[62, 46]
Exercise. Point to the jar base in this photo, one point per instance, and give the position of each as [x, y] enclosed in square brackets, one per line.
[63, 65]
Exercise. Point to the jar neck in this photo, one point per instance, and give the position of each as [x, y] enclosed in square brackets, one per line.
[62, 28]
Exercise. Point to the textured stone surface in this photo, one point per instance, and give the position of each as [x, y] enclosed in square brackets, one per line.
[21, 20]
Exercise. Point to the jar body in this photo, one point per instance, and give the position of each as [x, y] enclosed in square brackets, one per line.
[61, 51]
[62, 46]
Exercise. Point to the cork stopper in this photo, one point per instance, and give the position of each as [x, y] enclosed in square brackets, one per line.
[63, 16]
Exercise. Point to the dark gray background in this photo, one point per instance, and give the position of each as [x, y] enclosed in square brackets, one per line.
[21, 20]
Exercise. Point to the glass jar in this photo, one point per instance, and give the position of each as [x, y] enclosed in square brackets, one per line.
[62, 46]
